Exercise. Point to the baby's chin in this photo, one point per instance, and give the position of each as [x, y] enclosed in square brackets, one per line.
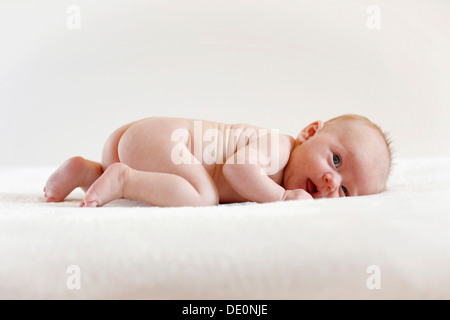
[305, 184]
[293, 183]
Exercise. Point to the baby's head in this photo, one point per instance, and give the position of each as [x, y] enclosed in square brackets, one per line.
[345, 156]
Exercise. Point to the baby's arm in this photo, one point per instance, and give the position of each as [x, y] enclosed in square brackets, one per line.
[251, 178]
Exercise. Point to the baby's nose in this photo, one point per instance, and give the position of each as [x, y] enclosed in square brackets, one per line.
[331, 182]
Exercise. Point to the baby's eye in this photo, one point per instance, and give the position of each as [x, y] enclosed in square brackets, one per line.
[336, 160]
[344, 189]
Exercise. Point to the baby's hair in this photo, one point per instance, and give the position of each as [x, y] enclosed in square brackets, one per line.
[384, 134]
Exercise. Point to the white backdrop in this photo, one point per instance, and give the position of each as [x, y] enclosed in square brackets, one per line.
[73, 71]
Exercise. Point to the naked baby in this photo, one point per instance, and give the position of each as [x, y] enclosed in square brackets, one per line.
[183, 162]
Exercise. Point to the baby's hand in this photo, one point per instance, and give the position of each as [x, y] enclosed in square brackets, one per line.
[296, 194]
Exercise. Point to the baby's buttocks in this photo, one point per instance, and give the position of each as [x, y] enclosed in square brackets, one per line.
[147, 145]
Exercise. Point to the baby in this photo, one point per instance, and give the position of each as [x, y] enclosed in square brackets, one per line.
[182, 162]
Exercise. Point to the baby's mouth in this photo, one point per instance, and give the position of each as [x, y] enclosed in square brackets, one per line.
[310, 187]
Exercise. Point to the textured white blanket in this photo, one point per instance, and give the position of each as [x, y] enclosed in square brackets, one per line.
[391, 245]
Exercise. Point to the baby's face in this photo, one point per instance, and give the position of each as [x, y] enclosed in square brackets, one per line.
[344, 158]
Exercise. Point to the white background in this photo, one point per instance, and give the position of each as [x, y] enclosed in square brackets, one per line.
[279, 64]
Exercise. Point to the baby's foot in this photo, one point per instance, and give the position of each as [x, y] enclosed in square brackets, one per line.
[108, 187]
[74, 172]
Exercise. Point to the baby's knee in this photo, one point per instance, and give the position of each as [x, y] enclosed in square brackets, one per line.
[208, 198]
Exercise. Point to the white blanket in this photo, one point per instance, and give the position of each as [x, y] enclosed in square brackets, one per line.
[391, 245]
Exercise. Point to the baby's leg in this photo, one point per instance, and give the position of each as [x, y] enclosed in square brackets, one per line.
[155, 188]
[79, 172]
[146, 171]
[73, 173]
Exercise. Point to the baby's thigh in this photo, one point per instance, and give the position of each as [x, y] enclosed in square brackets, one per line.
[148, 146]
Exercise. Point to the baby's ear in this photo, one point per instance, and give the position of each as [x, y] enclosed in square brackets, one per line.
[310, 131]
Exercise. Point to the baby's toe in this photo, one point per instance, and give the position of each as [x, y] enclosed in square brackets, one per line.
[91, 204]
[51, 196]
[50, 199]
[91, 200]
